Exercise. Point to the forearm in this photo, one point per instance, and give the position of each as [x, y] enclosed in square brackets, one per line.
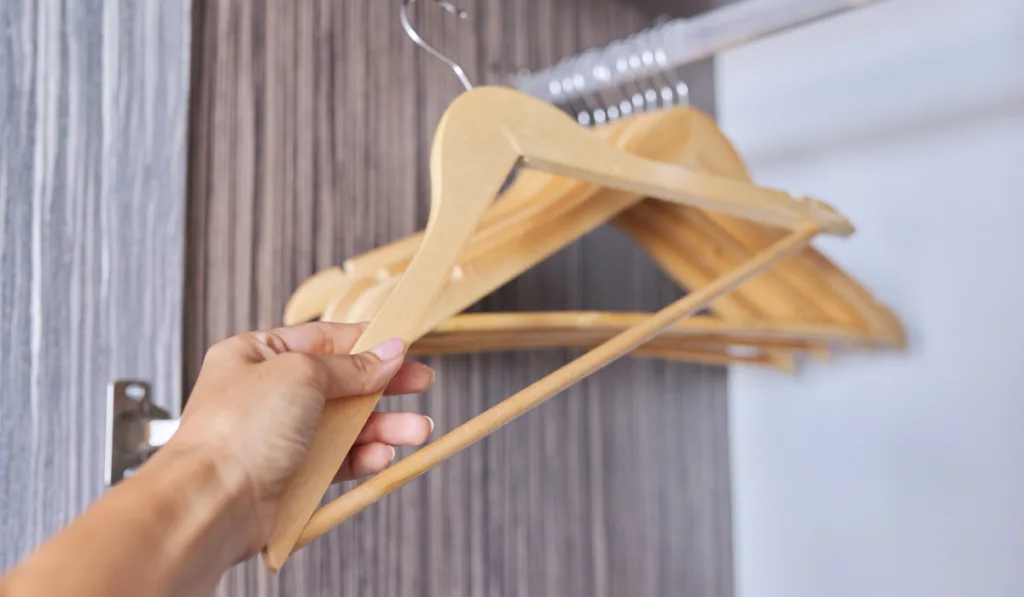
[170, 530]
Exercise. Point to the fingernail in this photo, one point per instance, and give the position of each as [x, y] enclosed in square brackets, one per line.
[390, 350]
[431, 424]
[392, 448]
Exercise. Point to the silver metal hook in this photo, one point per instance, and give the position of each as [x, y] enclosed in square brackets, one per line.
[415, 36]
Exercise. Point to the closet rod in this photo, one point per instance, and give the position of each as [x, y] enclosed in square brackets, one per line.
[672, 44]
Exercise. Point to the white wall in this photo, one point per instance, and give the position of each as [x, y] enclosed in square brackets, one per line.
[893, 474]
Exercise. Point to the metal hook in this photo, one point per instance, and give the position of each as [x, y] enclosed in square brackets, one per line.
[411, 32]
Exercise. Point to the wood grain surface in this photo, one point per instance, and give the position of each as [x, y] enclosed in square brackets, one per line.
[309, 143]
[93, 119]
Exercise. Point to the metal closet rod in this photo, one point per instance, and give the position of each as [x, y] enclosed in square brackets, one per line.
[674, 43]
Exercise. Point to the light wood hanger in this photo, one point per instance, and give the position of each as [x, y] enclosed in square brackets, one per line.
[531, 244]
[485, 133]
[674, 244]
[546, 328]
[676, 241]
[329, 293]
[480, 426]
[558, 199]
[806, 288]
[816, 288]
[701, 339]
[326, 294]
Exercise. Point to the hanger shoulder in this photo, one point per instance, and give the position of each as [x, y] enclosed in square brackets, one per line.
[322, 294]
[684, 271]
[552, 231]
[308, 300]
[341, 308]
[668, 248]
[534, 230]
[549, 140]
[810, 279]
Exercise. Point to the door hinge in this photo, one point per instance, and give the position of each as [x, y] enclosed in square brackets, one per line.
[136, 428]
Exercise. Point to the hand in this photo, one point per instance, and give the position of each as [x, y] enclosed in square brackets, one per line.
[259, 396]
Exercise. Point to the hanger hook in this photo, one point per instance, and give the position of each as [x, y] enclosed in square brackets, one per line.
[412, 33]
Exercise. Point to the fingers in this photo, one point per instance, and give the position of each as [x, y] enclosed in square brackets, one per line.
[412, 378]
[396, 429]
[374, 449]
[367, 459]
[295, 351]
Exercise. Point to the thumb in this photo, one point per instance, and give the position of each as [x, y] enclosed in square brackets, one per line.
[345, 376]
[311, 338]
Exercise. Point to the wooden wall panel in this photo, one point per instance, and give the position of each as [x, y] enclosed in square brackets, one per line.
[93, 118]
[311, 125]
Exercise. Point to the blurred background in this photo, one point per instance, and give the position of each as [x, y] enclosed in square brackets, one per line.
[171, 171]
[894, 474]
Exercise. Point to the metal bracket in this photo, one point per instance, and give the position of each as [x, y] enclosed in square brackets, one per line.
[136, 428]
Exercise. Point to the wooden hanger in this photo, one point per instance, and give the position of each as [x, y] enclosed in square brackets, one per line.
[693, 249]
[806, 288]
[315, 297]
[480, 426]
[484, 134]
[814, 288]
[484, 271]
[703, 339]
[323, 295]
[558, 197]
[690, 247]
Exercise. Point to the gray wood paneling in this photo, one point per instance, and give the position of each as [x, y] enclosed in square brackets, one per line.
[93, 117]
[311, 127]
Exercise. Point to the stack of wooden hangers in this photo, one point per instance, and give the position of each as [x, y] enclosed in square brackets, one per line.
[805, 305]
[670, 180]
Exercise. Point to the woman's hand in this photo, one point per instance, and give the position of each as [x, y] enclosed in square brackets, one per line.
[259, 396]
[209, 497]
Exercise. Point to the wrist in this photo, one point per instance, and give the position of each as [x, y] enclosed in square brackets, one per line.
[173, 528]
[211, 502]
